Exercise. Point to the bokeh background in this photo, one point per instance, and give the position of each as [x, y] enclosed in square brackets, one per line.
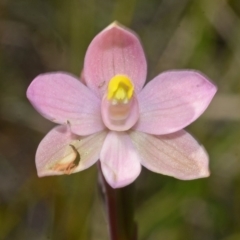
[39, 36]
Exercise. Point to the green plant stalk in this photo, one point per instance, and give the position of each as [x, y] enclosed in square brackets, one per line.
[120, 210]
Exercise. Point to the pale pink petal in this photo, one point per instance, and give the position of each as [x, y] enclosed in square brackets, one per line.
[114, 119]
[62, 98]
[178, 154]
[119, 160]
[56, 151]
[173, 100]
[115, 50]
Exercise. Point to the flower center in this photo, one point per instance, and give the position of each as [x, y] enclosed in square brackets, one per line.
[119, 106]
[120, 89]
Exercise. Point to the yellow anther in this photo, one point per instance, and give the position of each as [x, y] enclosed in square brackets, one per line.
[120, 88]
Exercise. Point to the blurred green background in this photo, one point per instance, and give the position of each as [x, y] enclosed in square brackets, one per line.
[39, 36]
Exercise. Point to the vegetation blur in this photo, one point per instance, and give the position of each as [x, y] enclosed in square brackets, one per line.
[39, 36]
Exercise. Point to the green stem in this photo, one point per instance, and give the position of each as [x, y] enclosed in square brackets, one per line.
[120, 210]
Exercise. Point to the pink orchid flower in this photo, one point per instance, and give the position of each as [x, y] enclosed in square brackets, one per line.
[114, 119]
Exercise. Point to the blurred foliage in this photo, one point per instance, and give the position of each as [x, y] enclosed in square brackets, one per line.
[39, 36]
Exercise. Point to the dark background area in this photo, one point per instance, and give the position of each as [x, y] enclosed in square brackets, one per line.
[38, 36]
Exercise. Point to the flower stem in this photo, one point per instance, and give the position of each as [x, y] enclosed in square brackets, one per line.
[120, 210]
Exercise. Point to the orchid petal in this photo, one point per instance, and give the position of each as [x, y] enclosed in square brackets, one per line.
[62, 98]
[119, 160]
[178, 154]
[116, 50]
[61, 152]
[172, 101]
